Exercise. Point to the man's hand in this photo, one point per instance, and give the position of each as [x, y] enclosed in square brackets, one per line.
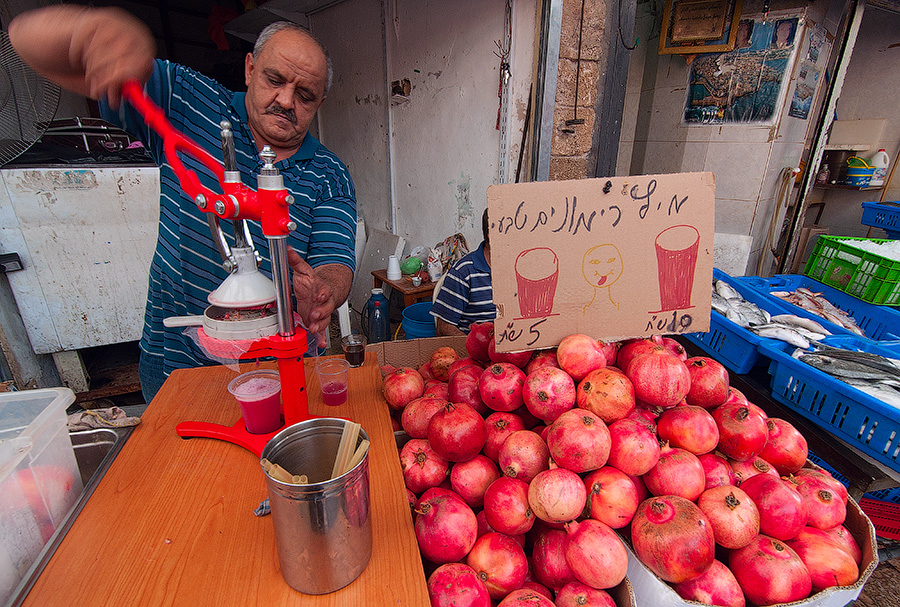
[318, 292]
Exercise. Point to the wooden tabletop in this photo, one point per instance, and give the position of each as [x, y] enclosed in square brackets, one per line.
[172, 521]
[411, 293]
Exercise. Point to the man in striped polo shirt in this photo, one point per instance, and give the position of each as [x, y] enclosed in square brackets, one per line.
[466, 295]
[94, 51]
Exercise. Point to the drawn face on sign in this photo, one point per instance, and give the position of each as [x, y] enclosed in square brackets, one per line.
[602, 265]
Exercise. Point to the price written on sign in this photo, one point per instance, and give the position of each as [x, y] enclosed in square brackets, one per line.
[611, 258]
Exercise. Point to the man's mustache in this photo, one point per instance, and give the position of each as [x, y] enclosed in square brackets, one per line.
[280, 111]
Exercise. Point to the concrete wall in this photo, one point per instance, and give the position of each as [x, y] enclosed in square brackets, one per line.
[746, 158]
[422, 161]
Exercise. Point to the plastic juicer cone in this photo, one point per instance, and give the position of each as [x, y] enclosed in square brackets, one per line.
[246, 287]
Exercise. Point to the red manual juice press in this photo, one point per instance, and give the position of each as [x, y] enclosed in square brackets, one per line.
[245, 288]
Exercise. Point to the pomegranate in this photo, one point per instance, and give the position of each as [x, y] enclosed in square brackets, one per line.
[607, 392]
[717, 469]
[579, 354]
[401, 386]
[579, 440]
[610, 351]
[506, 506]
[418, 412]
[500, 386]
[659, 379]
[457, 433]
[548, 392]
[523, 454]
[690, 427]
[526, 597]
[437, 389]
[735, 396]
[782, 513]
[576, 594]
[845, 540]
[828, 563]
[742, 432]
[440, 362]
[463, 388]
[535, 587]
[786, 449]
[425, 371]
[732, 514]
[673, 538]
[647, 417]
[422, 467]
[483, 526]
[751, 467]
[548, 559]
[531, 422]
[633, 448]
[500, 425]
[595, 554]
[470, 479]
[824, 508]
[499, 562]
[633, 348]
[709, 382]
[612, 496]
[518, 359]
[462, 363]
[541, 359]
[716, 586]
[678, 472]
[456, 584]
[770, 572]
[556, 496]
[675, 348]
[836, 487]
[480, 334]
[445, 526]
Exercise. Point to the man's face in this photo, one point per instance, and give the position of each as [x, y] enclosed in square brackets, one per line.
[285, 87]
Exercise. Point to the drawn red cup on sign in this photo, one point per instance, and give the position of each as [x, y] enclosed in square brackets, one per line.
[676, 257]
[537, 272]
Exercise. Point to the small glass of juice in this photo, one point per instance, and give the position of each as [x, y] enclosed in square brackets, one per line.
[259, 395]
[333, 380]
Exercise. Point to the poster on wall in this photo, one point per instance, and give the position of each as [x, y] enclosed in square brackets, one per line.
[805, 90]
[748, 84]
[611, 258]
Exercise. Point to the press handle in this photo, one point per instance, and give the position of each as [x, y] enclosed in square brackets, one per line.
[183, 321]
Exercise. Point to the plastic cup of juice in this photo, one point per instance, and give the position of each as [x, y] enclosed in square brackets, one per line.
[259, 395]
[333, 380]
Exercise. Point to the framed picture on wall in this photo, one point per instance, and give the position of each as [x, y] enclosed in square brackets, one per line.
[690, 27]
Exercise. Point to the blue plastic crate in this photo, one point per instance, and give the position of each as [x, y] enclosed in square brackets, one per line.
[884, 215]
[729, 343]
[880, 323]
[882, 495]
[863, 421]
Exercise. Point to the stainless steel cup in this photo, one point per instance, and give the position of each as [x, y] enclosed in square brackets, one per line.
[323, 531]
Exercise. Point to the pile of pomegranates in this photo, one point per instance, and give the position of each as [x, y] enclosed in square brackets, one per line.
[524, 472]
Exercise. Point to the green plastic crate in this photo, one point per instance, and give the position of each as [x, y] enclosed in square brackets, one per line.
[873, 278]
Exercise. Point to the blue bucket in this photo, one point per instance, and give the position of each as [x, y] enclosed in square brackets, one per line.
[418, 321]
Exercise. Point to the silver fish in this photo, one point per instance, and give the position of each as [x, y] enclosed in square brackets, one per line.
[798, 321]
[726, 290]
[780, 332]
[719, 303]
[876, 361]
[843, 368]
[877, 390]
[735, 316]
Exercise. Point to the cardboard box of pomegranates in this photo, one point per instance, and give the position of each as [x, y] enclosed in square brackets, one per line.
[415, 352]
[651, 590]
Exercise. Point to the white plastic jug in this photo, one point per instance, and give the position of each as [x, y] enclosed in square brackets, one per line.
[880, 161]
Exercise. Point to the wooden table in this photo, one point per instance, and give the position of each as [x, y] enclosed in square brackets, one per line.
[172, 521]
[411, 293]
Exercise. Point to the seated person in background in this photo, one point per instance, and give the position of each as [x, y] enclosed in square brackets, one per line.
[466, 295]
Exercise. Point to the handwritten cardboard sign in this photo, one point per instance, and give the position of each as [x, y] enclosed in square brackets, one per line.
[611, 258]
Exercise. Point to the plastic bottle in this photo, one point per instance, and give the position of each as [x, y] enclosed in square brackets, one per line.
[880, 161]
[376, 324]
[824, 175]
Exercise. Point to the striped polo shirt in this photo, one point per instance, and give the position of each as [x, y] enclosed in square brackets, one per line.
[466, 295]
[187, 266]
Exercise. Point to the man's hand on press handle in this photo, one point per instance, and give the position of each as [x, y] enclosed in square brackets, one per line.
[315, 298]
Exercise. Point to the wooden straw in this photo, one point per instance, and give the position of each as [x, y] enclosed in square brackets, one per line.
[276, 471]
[360, 453]
[345, 449]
